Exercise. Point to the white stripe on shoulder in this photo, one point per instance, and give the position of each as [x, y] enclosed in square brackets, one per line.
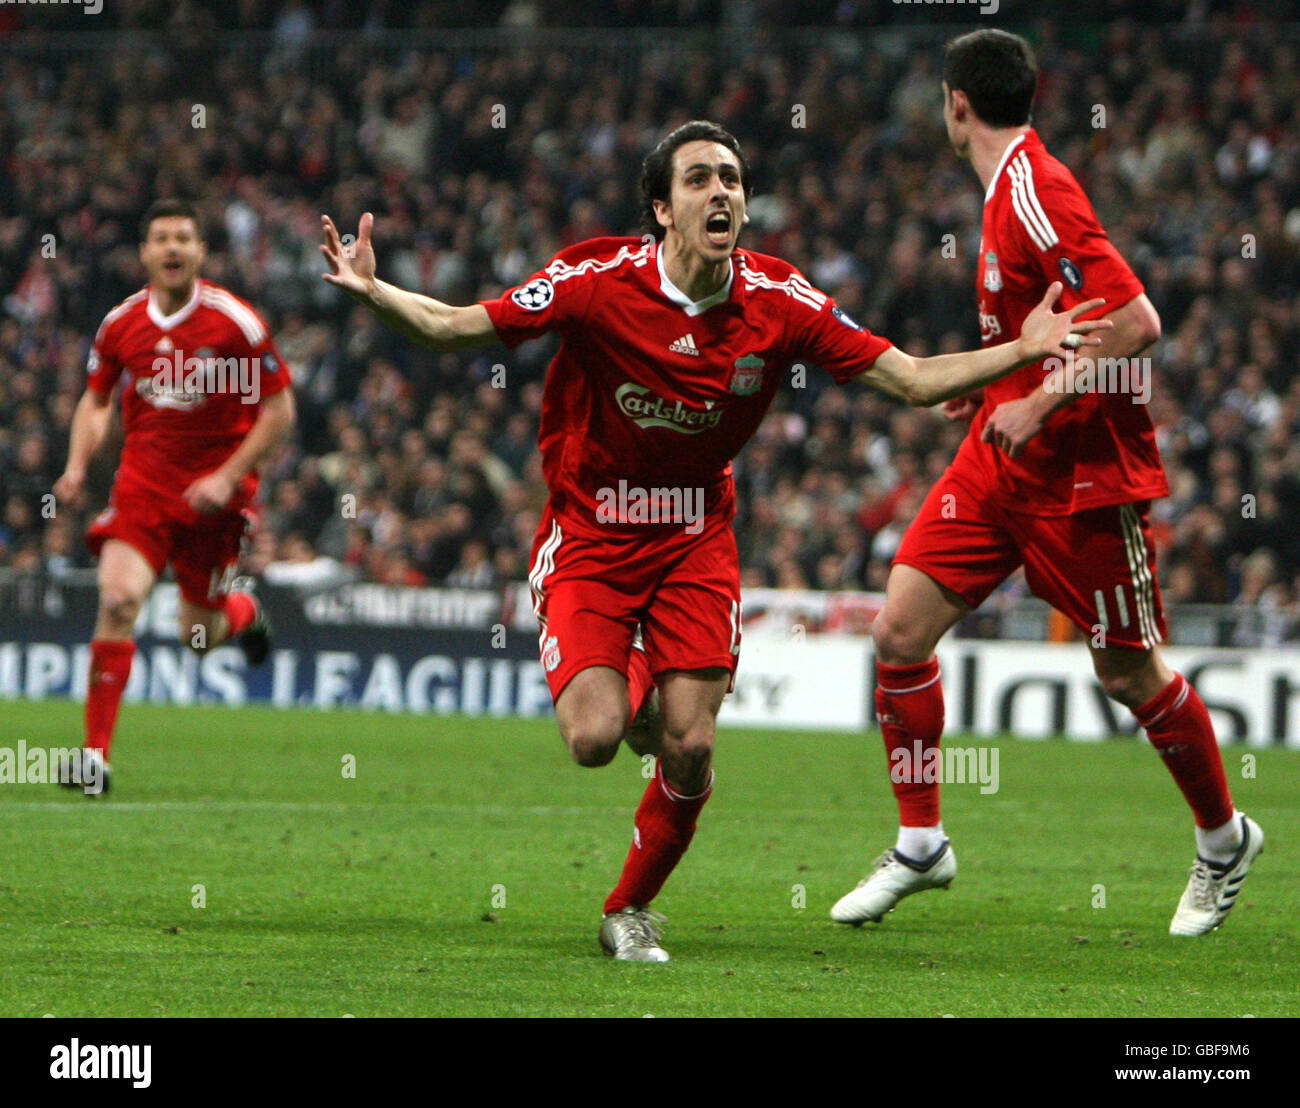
[561, 271]
[243, 316]
[795, 285]
[1018, 202]
[121, 309]
[1031, 194]
[1028, 207]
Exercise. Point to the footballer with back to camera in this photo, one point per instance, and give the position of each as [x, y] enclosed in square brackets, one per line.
[671, 351]
[1053, 477]
[205, 399]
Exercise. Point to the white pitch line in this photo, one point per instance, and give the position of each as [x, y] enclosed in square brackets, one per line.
[290, 805]
[87, 805]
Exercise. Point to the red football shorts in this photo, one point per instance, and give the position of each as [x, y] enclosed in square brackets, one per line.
[677, 593]
[203, 549]
[1098, 567]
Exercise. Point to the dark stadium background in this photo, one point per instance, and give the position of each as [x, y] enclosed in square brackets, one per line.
[312, 107]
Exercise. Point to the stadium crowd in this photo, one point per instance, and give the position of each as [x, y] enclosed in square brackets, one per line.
[481, 156]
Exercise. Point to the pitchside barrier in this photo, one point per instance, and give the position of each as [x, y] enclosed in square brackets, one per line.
[806, 660]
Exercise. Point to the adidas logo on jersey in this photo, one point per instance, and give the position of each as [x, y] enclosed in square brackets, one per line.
[685, 345]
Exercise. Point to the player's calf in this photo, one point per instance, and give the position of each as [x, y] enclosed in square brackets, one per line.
[645, 734]
[241, 619]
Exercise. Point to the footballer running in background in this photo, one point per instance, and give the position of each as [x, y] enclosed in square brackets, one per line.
[205, 399]
[1053, 477]
[671, 351]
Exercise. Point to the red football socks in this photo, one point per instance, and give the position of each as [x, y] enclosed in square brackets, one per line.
[1178, 725]
[640, 682]
[665, 825]
[909, 707]
[240, 610]
[110, 666]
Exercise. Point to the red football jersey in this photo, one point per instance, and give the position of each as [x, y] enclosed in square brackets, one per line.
[1101, 448]
[191, 384]
[650, 391]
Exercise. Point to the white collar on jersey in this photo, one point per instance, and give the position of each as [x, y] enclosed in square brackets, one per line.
[1006, 157]
[689, 306]
[167, 322]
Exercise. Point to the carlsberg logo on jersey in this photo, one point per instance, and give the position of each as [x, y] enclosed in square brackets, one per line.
[181, 382]
[645, 409]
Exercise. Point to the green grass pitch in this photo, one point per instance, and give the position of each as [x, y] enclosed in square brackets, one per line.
[374, 895]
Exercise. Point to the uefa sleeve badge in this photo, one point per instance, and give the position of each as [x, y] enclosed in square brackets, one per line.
[535, 295]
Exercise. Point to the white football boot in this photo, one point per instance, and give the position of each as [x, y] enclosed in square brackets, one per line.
[1213, 886]
[894, 877]
[632, 935]
[85, 770]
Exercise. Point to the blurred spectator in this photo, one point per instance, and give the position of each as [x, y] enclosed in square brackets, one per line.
[481, 160]
[299, 564]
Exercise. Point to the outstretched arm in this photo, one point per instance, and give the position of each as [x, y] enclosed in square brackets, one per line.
[427, 321]
[926, 381]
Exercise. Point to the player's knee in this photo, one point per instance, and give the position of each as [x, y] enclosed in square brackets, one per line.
[689, 754]
[900, 642]
[593, 741]
[119, 608]
[592, 752]
[1128, 688]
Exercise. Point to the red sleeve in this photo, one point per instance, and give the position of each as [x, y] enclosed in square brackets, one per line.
[1060, 239]
[541, 304]
[103, 367]
[275, 375]
[830, 338]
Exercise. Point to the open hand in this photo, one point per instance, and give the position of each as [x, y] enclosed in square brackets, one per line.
[1044, 332]
[352, 265]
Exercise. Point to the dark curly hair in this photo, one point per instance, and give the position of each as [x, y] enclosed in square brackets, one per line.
[164, 208]
[997, 72]
[657, 169]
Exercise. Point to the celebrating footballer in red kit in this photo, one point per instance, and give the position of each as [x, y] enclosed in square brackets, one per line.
[671, 352]
[1057, 474]
[205, 398]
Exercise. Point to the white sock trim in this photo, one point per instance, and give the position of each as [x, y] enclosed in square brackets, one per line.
[1219, 844]
[918, 843]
